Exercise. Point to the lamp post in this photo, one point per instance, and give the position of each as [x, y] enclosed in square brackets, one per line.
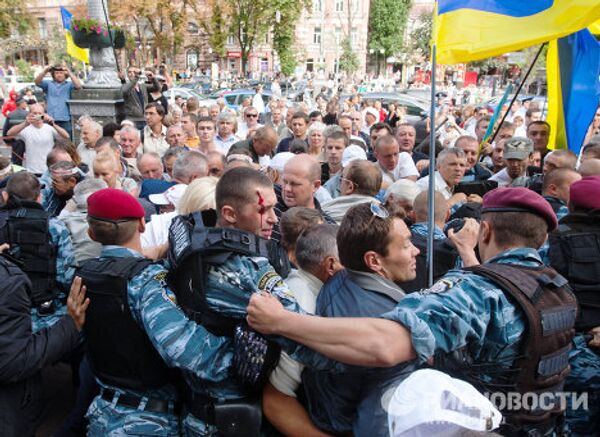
[382, 52]
[102, 60]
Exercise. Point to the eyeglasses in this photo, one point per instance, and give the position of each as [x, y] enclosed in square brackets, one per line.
[378, 210]
[252, 115]
[351, 183]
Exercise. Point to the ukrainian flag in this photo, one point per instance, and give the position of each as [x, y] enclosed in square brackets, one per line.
[72, 49]
[469, 30]
[573, 71]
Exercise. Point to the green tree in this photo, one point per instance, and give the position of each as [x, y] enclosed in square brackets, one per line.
[216, 28]
[348, 60]
[420, 37]
[286, 15]
[387, 22]
[13, 17]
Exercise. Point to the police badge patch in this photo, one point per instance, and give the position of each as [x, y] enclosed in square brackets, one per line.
[440, 286]
[269, 281]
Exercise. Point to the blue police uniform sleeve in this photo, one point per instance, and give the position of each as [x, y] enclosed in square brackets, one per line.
[181, 342]
[65, 255]
[453, 313]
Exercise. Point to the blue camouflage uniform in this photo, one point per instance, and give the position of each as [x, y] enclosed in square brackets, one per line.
[228, 290]
[65, 268]
[561, 209]
[180, 342]
[466, 309]
[422, 229]
[51, 202]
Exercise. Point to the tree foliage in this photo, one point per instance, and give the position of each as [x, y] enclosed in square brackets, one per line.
[348, 60]
[387, 22]
[14, 17]
[216, 26]
[420, 37]
[284, 30]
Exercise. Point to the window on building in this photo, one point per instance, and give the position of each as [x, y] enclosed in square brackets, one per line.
[43, 28]
[317, 36]
[230, 39]
[354, 36]
[339, 5]
[317, 6]
[338, 35]
[310, 64]
[355, 5]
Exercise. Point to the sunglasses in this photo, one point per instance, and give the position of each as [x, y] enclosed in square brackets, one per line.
[251, 115]
[379, 211]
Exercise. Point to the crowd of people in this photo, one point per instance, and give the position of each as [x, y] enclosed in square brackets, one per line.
[150, 253]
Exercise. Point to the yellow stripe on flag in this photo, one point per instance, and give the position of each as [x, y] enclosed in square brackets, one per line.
[74, 51]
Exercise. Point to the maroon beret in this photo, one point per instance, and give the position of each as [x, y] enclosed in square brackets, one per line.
[585, 193]
[112, 204]
[519, 199]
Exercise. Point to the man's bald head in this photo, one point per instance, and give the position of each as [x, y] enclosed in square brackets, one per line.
[305, 164]
[300, 180]
[590, 167]
[421, 207]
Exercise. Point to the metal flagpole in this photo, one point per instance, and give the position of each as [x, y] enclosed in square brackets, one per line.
[431, 196]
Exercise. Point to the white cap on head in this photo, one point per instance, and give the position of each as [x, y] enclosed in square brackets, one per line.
[280, 160]
[431, 403]
[170, 197]
[374, 112]
[353, 153]
[404, 189]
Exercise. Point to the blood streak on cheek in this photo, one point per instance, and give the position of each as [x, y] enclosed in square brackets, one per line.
[261, 208]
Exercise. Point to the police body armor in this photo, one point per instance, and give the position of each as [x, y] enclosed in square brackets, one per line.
[575, 253]
[120, 352]
[24, 226]
[193, 248]
[550, 308]
[444, 259]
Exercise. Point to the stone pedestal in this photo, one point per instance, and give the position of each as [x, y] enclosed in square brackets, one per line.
[102, 104]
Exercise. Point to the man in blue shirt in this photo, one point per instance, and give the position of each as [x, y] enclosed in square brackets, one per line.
[58, 92]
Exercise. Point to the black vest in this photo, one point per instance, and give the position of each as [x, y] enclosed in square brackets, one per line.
[120, 352]
[24, 226]
[193, 248]
[444, 259]
[575, 253]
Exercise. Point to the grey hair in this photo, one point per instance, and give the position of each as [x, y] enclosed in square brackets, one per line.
[315, 244]
[86, 188]
[226, 116]
[316, 126]
[190, 163]
[96, 126]
[148, 155]
[456, 151]
[132, 130]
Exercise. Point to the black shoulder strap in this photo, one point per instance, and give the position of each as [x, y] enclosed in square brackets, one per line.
[126, 267]
[511, 279]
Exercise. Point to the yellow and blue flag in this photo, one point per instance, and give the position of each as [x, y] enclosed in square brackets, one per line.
[573, 76]
[469, 30]
[72, 49]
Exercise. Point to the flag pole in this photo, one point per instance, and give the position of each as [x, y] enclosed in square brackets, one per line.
[522, 82]
[431, 188]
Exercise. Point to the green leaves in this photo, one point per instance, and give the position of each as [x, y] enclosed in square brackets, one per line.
[387, 22]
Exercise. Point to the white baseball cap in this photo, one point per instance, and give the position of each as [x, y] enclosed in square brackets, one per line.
[170, 197]
[280, 160]
[431, 403]
[353, 153]
[374, 112]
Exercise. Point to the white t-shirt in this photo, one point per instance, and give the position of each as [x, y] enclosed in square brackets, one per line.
[405, 168]
[38, 143]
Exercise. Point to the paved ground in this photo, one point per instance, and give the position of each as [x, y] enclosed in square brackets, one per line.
[60, 394]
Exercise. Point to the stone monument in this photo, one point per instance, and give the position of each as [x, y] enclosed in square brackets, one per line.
[101, 95]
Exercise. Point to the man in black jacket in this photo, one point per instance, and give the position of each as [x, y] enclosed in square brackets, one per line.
[24, 354]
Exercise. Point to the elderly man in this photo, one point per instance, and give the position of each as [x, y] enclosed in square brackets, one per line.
[91, 132]
[451, 166]
[188, 166]
[393, 164]
[38, 132]
[249, 124]
[175, 136]
[226, 127]
[517, 151]
[360, 183]
[150, 166]
[260, 147]
[300, 181]
[130, 141]
[406, 135]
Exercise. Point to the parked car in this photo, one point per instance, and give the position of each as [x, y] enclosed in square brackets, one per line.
[186, 93]
[233, 99]
[416, 109]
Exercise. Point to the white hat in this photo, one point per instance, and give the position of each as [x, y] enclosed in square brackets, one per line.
[404, 189]
[374, 112]
[170, 197]
[280, 160]
[353, 153]
[431, 403]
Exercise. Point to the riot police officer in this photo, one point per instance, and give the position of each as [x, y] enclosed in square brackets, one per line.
[574, 252]
[135, 333]
[42, 244]
[483, 323]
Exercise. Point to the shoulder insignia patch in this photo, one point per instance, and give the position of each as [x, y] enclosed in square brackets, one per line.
[161, 277]
[441, 286]
[269, 281]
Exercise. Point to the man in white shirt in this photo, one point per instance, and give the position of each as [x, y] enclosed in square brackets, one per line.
[316, 255]
[91, 131]
[451, 167]
[38, 132]
[257, 100]
[226, 127]
[393, 164]
[249, 124]
[155, 132]
[517, 151]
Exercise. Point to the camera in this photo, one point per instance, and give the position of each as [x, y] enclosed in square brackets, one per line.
[39, 117]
